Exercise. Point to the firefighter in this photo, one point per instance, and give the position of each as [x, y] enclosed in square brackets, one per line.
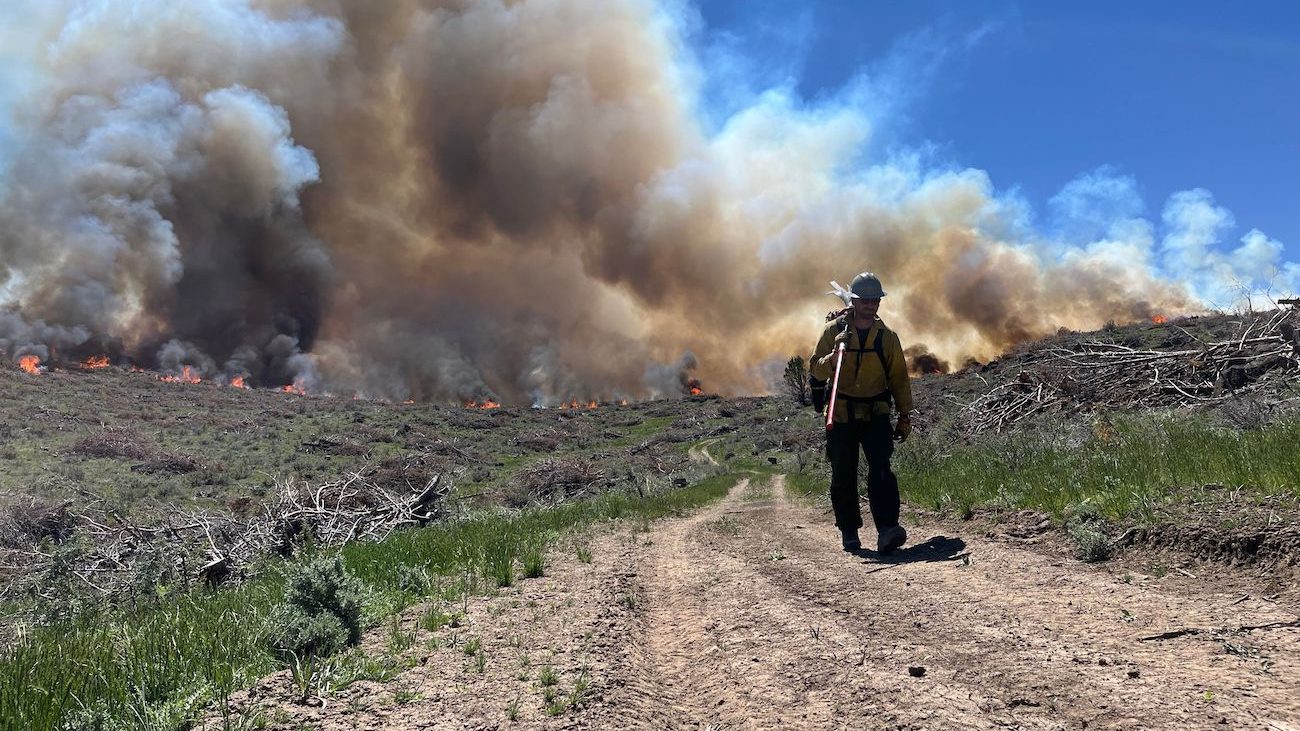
[873, 384]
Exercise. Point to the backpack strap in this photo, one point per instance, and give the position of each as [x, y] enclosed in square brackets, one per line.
[879, 347]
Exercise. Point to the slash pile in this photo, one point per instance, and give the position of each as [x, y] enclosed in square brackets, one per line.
[1264, 355]
[188, 545]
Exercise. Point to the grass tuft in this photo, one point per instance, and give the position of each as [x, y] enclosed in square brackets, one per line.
[534, 560]
[547, 676]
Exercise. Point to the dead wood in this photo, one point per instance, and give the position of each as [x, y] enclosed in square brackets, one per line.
[1265, 352]
[1171, 634]
[219, 546]
[554, 480]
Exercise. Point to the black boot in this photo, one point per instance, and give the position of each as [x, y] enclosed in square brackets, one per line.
[891, 538]
[849, 539]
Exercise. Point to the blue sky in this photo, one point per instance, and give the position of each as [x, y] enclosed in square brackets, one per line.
[1163, 96]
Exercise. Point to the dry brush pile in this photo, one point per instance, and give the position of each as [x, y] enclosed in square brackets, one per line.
[46, 547]
[1263, 355]
[130, 444]
[552, 481]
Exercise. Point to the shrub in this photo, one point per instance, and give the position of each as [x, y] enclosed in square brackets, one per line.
[322, 610]
[307, 635]
[1091, 544]
[415, 580]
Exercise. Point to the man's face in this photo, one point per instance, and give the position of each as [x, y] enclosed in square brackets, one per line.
[866, 309]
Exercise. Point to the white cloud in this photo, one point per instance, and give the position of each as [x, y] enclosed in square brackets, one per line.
[1091, 204]
[1258, 257]
[1195, 226]
[1193, 250]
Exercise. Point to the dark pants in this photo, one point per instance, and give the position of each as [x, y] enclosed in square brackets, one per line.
[876, 439]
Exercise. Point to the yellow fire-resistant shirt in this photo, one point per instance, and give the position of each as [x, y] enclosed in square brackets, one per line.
[863, 374]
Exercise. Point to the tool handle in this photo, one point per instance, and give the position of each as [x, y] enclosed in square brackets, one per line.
[835, 388]
[835, 380]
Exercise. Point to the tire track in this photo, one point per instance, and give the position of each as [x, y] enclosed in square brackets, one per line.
[703, 654]
[700, 452]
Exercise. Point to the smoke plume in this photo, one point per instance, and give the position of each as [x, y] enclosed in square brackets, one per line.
[921, 362]
[453, 199]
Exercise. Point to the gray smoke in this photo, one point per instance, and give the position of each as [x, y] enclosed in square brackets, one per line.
[671, 379]
[175, 356]
[154, 198]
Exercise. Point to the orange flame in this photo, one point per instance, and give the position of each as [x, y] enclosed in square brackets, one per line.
[695, 386]
[238, 382]
[622, 402]
[487, 404]
[30, 363]
[95, 362]
[1159, 319]
[592, 404]
[295, 387]
[188, 375]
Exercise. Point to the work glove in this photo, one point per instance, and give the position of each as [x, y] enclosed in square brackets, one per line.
[842, 339]
[817, 389]
[903, 429]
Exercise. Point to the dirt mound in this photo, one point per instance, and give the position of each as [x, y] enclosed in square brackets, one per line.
[1227, 526]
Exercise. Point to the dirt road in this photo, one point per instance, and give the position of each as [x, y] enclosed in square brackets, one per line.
[748, 616]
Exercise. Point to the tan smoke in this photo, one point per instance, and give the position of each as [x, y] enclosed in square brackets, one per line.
[448, 200]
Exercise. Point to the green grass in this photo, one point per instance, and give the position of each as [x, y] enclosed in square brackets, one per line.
[534, 559]
[1118, 470]
[648, 427]
[155, 666]
[583, 552]
[160, 668]
[547, 676]
[807, 484]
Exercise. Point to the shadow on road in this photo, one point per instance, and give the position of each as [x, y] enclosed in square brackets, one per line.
[938, 548]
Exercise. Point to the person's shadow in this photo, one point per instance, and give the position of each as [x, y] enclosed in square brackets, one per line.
[938, 548]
